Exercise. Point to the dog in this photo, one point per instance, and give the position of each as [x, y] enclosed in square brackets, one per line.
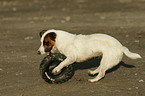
[79, 48]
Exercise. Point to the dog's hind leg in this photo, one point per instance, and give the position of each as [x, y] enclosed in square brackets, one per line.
[106, 63]
[93, 72]
[99, 76]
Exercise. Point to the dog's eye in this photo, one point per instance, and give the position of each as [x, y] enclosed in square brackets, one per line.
[46, 43]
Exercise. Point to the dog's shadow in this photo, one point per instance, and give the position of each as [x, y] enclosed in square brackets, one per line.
[95, 62]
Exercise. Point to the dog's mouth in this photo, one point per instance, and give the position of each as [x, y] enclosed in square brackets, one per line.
[39, 53]
[48, 51]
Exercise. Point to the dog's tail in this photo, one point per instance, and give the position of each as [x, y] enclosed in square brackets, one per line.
[130, 54]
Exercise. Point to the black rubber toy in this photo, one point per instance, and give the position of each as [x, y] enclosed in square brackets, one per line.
[49, 63]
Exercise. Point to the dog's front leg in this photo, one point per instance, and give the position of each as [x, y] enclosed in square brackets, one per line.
[66, 62]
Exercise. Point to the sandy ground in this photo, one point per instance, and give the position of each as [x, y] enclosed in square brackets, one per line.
[22, 20]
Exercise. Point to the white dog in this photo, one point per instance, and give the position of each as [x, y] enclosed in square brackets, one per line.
[78, 48]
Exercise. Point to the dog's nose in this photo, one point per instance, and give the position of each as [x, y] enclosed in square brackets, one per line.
[39, 53]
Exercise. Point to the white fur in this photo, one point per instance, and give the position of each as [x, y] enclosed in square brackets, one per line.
[78, 48]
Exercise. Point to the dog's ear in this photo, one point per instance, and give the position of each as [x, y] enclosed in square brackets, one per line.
[51, 35]
[42, 32]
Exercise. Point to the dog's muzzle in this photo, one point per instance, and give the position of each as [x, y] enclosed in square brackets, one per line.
[41, 50]
[38, 52]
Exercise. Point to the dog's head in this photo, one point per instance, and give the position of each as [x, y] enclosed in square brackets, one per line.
[47, 41]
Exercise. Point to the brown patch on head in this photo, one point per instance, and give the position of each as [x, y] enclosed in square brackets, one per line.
[49, 41]
[42, 32]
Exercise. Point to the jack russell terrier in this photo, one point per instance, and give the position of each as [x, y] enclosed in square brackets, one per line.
[79, 48]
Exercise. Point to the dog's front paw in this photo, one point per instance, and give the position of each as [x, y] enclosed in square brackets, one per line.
[56, 70]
